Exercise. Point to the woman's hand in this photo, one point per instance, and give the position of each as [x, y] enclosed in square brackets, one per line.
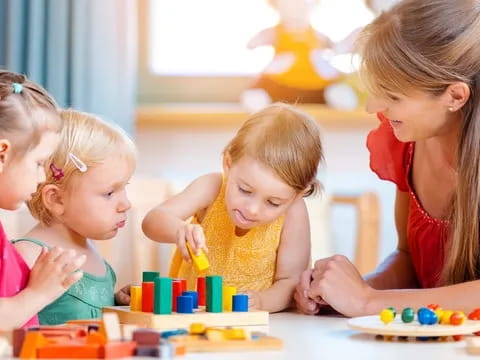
[336, 281]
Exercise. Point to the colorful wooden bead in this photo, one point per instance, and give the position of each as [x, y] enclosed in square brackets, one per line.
[457, 318]
[445, 320]
[426, 316]
[408, 315]
[393, 311]
[386, 316]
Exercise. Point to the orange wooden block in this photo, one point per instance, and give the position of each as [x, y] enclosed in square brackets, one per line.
[85, 322]
[32, 342]
[96, 338]
[73, 350]
[119, 349]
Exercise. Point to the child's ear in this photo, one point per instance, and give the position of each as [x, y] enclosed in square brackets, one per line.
[53, 199]
[5, 149]
[227, 163]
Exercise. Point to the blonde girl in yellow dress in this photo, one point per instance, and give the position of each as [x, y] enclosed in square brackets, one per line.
[251, 220]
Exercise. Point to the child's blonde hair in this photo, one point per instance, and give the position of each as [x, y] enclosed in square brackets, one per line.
[26, 112]
[91, 140]
[428, 45]
[286, 140]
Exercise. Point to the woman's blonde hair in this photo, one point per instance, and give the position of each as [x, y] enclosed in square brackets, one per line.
[286, 140]
[428, 45]
[91, 140]
[26, 111]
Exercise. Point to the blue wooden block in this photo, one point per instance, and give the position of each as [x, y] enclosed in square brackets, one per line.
[240, 303]
[184, 305]
[194, 296]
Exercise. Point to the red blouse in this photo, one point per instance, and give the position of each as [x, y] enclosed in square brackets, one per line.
[391, 160]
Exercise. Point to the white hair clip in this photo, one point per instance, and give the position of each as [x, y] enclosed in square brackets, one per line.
[79, 164]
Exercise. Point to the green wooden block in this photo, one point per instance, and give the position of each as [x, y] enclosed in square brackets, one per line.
[214, 294]
[162, 295]
[149, 276]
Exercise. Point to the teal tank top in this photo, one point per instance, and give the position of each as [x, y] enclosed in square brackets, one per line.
[84, 299]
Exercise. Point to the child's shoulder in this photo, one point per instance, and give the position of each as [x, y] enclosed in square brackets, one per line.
[209, 185]
[29, 250]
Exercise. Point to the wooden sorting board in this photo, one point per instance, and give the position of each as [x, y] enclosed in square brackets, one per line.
[199, 344]
[373, 325]
[175, 320]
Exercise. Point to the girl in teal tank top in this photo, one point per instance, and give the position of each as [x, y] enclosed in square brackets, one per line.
[83, 199]
[84, 299]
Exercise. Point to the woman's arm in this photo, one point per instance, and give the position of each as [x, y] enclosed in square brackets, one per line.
[396, 271]
[292, 259]
[163, 222]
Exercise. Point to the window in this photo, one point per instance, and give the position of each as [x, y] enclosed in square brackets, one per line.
[195, 50]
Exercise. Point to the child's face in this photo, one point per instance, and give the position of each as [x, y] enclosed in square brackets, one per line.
[21, 176]
[96, 202]
[416, 117]
[255, 195]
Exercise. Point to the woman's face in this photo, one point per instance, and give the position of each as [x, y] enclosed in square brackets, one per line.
[418, 116]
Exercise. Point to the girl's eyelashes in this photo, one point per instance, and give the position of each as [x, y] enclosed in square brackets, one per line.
[109, 194]
[273, 204]
[244, 190]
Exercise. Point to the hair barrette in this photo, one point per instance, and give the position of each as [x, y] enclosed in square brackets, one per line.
[17, 88]
[79, 164]
[56, 172]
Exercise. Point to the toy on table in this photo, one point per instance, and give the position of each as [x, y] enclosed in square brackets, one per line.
[429, 322]
[167, 304]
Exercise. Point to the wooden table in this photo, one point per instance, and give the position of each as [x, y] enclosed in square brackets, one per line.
[325, 337]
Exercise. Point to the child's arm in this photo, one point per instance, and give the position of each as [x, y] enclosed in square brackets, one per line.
[292, 259]
[51, 275]
[167, 223]
[263, 38]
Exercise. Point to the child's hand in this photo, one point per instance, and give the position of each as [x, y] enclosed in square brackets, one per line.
[193, 234]
[54, 272]
[254, 300]
[304, 303]
[122, 296]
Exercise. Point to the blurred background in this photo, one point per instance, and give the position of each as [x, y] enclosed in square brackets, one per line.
[178, 75]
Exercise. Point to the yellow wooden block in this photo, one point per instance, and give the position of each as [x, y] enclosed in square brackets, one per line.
[197, 328]
[200, 261]
[136, 298]
[215, 334]
[228, 292]
[235, 334]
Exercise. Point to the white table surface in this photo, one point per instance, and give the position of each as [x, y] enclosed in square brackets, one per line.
[327, 337]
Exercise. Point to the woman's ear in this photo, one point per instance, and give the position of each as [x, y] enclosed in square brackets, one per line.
[227, 163]
[5, 150]
[456, 95]
[53, 200]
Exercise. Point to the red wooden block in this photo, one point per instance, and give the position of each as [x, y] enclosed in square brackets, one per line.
[17, 342]
[147, 337]
[147, 296]
[176, 291]
[201, 288]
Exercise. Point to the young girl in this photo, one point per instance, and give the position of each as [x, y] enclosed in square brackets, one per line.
[82, 198]
[251, 219]
[29, 124]
[421, 61]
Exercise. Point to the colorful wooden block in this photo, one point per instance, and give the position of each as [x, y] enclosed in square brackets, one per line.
[111, 326]
[214, 294]
[163, 295]
[33, 341]
[147, 296]
[176, 292]
[194, 296]
[184, 305]
[69, 351]
[149, 276]
[201, 290]
[200, 261]
[17, 341]
[119, 349]
[240, 303]
[228, 292]
[136, 298]
[147, 337]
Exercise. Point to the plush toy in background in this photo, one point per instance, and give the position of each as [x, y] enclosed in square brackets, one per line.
[299, 71]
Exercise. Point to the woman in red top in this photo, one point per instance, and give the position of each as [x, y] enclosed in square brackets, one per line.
[421, 63]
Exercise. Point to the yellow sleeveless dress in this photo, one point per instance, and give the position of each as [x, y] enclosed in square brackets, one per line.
[247, 262]
[302, 74]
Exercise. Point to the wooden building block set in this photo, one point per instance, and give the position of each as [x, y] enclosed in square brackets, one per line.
[164, 303]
